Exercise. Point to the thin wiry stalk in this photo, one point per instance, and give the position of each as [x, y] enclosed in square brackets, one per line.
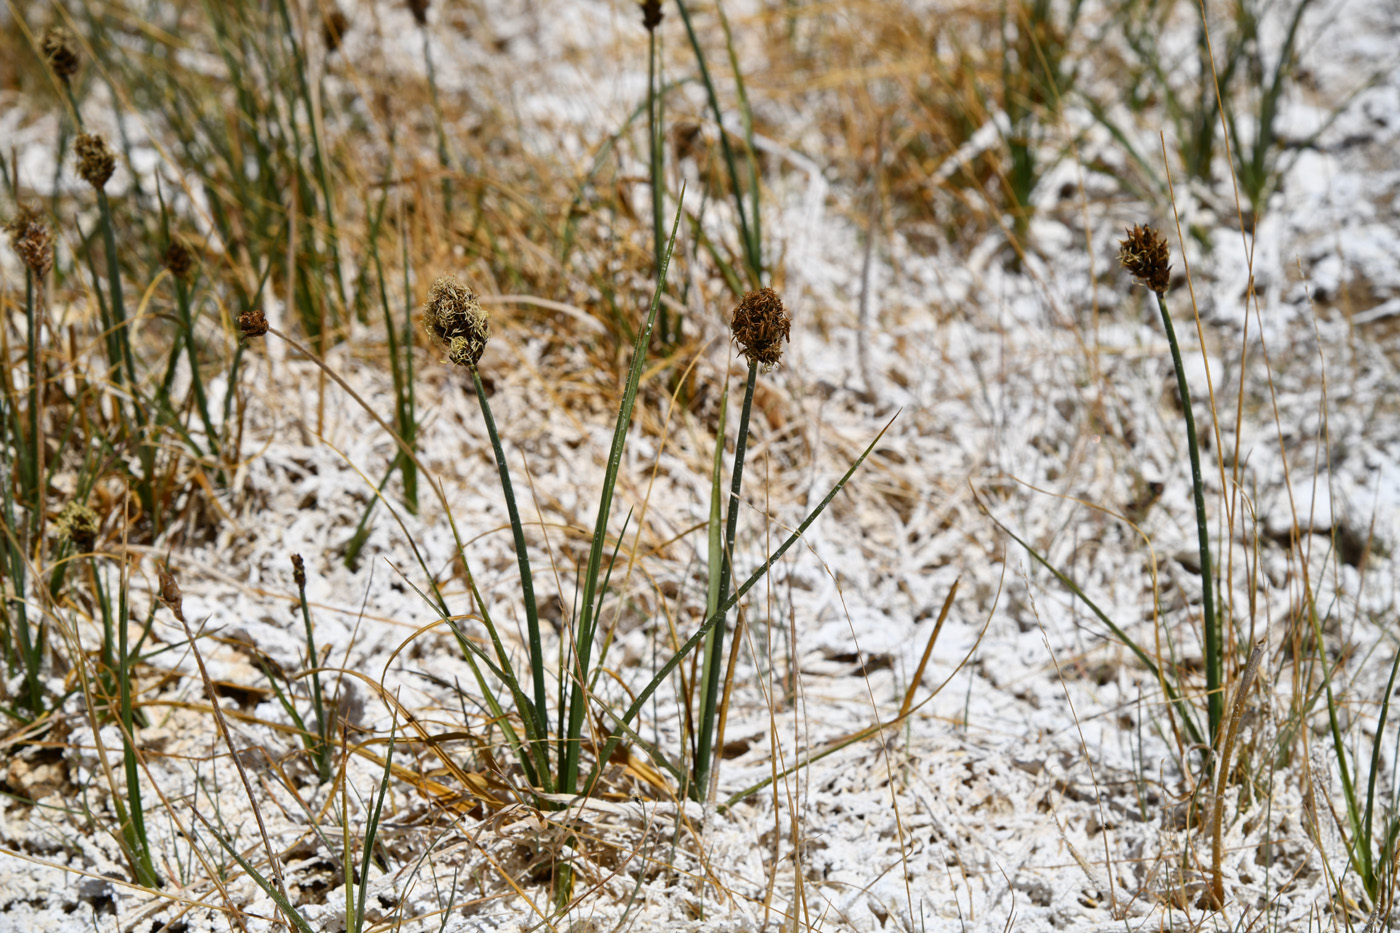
[322, 750]
[755, 230]
[1173, 698]
[718, 616]
[748, 232]
[372, 828]
[1217, 883]
[126, 372]
[527, 580]
[657, 148]
[182, 299]
[578, 699]
[1387, 852]
[714, 661]
[1215, 704]
[135, 829]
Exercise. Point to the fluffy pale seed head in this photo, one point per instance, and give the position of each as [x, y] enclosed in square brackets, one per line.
[454, 319]
[31, 240]
[60, 52]
[96, 161]
[1145, 255]
[78, 523]
[761, 325]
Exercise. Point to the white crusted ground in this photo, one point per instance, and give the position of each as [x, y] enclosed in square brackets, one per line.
[1036, 790]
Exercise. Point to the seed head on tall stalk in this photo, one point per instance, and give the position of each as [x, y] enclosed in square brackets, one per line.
[760, 327]
[1146, 256]
[454, 318]
[32, 241]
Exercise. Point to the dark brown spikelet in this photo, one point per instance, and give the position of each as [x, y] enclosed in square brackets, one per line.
[170, 594]
[299, 571]
[419, 9]
[96, 162]
[179, 258]
[252, 324]
[334, 25]
[453, 317]
[31, 241]
[761, 326]
[78, 523]
[60, 52]
[651, 14]
[1146, 257]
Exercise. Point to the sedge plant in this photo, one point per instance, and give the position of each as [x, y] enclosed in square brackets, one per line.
[760, 327]
[1145, 255]
[23, 475]
[553, 764]
[96, 165]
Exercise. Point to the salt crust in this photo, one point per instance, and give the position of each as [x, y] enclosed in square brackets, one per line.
[1001, 819]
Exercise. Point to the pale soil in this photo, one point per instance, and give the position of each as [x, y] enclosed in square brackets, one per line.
[1039, 789]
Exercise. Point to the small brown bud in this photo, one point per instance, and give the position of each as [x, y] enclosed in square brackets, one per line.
[170, 595]
[299, 571]
[96, 162]
[60, 52]
[1146, 257]
[651, 14]
[31, 241]
[761, 325]
[419, 9]
[334, 25]
[78, 523]
[179, 257]
[453, 317]
[252, 323]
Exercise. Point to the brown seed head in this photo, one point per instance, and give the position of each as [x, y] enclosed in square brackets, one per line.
[170, 594]
[419, 9]
[1146, 257]
[60, 52]
[334, 25]
[31, 241]
[651, 14]
[761, 325]
[252, 323]
[78, 523]
[179, 257]
[96, 162]
[453, 317]
[299, 571]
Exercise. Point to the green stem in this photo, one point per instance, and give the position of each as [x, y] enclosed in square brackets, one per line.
[579, 664]
[752, 253]
[135, 829]
[522, 558]
[323, 747]
[718, 616]
[146, 451]
[658, 182]
[715, 660]
[1214, 702]
[32, 481]
[182, 297]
